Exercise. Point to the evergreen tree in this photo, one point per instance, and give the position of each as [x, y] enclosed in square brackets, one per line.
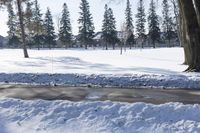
[109, 33]
[140, 22]
[12, 25]
[49, 29]
[86, 29]
[153, 23]
[129, 25]
[38, 28]
[65, 32]
[112, 28]
[105, 28]
[28, 22]
[167, 22]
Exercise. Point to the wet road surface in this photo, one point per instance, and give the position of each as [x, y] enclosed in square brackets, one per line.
[155, 96]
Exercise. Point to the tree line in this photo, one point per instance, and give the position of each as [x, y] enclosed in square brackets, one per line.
[187, 22]
[40, 32]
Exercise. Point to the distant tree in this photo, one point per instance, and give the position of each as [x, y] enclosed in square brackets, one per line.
[109, 33]
[65, 32]
[167, 22]
[12, 25]
[38, 28]
[176, 20]
[140, 22]
[153, 23]
[129, 25]
[105, 28]
[86, 29]
[49, 29]
[112, 27]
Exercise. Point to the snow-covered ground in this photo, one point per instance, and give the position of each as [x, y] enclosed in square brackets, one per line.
[160, 67]
[148, 61]
[149, 67]
[17, 116]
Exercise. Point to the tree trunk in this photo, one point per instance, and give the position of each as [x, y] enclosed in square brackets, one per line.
[121, 47]
[22, 28]
[183, 39]
[154, 44]
[197, 5]
[106, 45]
[192, 31]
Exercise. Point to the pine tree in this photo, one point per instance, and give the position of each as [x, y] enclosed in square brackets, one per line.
[109, 33]
[86, 29]
[65, 32]
[105, 28]
[129, 25]
[153, 23]
[140, 22]
[29, 22]
[49, 29]
[38, 28]
[167, 22]
[12, 24]
[112, 28]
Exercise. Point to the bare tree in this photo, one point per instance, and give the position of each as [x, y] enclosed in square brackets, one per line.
[21, 22]
[177, 18]
[22, 28]
[124, 35]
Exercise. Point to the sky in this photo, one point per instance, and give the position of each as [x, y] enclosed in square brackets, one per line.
[96, 9]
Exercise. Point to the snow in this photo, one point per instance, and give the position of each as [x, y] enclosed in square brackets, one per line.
[138, 61]
[161, 68]
[18, 116]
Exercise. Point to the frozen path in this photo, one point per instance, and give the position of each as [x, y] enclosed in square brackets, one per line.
[155, 96]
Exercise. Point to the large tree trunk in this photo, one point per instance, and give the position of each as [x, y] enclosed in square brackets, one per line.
[22, 28]
[192, 31]
[197, 5]
[183, 37]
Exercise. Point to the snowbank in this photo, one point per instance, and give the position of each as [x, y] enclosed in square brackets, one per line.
[17, 116]
[102, 80]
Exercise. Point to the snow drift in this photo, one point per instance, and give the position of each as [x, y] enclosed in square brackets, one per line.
[40, 116]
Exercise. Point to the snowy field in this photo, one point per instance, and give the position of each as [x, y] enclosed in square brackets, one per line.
[39, 116]
[160, 68]
[147, 61]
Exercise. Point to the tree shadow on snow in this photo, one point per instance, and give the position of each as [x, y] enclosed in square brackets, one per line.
[76, 63]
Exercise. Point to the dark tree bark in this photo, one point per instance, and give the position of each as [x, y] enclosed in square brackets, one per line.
[197, 5]
[183, 40]
[191, 32]
[22, 28]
